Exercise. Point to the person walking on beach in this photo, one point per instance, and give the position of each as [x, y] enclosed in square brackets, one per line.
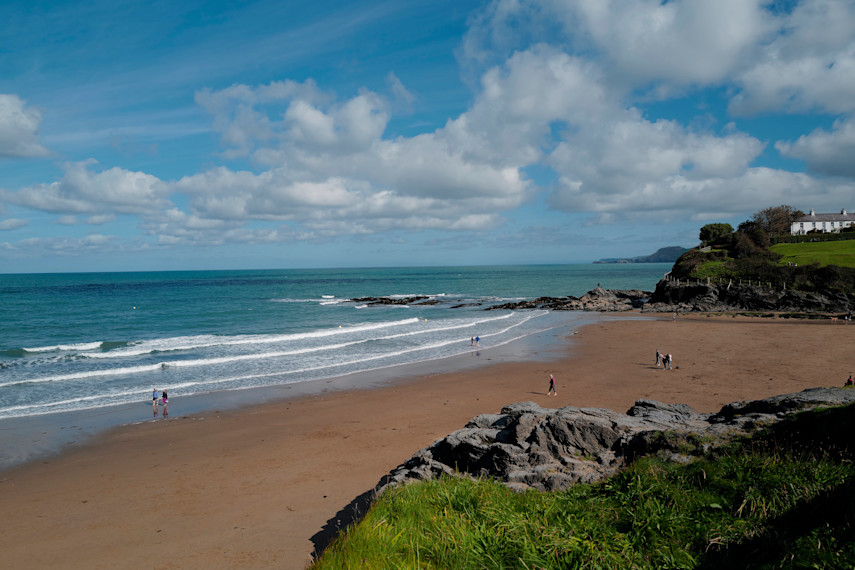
[658, 358]
[154, 400]
[849, 381]
[163, 398]
[477, 341]
[551, 391]
[668, 360]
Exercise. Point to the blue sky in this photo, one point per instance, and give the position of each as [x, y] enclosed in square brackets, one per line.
[273, 134]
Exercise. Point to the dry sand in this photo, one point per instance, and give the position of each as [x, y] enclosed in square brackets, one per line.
[253, 488]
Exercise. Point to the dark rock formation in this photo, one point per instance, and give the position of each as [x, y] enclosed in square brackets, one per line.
[416, 300]
[529, 447]
[673, 295]
[598, 299]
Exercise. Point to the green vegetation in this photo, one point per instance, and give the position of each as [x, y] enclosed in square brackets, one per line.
[784, 498]
[841, 253]
[826, 262]
[712, 233]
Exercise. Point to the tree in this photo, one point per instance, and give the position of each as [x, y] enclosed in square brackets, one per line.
[777, 220]
[754, 232]
[713, 233]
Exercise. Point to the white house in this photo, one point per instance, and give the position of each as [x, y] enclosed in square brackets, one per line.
[826, 223]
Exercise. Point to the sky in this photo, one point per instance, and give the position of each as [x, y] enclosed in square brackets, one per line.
[251, 134]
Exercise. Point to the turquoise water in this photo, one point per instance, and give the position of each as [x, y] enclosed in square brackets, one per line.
[73, 342]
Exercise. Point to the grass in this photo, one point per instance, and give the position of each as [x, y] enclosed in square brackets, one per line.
[711, 269]
[785, 499]
[840, 253]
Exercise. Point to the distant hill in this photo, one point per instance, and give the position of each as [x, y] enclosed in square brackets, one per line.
[662, 255]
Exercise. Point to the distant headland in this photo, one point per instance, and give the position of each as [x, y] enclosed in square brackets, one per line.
[662, 255]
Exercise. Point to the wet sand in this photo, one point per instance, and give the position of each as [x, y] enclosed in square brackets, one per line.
[260, 487]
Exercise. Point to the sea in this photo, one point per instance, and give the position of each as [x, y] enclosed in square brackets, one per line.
[89, 342]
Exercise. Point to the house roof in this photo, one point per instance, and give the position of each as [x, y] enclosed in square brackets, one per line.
[838, 217]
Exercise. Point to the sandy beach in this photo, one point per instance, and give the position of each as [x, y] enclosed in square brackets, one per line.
[260, 487]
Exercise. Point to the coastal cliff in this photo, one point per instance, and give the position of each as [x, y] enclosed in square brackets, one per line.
[689, 295]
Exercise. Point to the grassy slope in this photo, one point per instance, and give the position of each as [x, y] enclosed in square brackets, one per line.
[840, 253]
[785, 499]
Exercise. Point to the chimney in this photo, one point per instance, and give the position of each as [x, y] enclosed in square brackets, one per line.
[811, 212]
[843, 211]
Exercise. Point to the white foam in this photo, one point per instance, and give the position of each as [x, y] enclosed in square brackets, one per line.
[207, 341]
[77, 347]
[407, 296]
[85, 374]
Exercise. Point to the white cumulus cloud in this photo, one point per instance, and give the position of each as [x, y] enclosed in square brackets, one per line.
[82, 191]
[808, 66]
[824, 152]
[19, 128]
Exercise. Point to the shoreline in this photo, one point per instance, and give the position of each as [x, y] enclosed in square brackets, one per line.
[263, 486]
[35, 438]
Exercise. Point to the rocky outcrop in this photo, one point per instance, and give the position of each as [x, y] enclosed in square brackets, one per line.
[529, 447]
[414, 300]
[598, 299]
[686, 296]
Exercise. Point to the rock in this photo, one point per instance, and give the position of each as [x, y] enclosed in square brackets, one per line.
[686, 296]
[598, 299]
[529, 447]
[417, 299]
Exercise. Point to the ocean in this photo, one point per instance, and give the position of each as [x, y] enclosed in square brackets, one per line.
[91, 341]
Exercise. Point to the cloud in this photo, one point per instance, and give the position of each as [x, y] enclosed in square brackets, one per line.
[12, 224]
[672, 198]
[608, 157]
[826, 153]
[81, 191]
[560, 88]
[19, 127]
[400, 93]
[330, 167]
[808, 66]
[680, 42]
[637, 42]
[98, 244]
[774, 57]
[626, 163]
